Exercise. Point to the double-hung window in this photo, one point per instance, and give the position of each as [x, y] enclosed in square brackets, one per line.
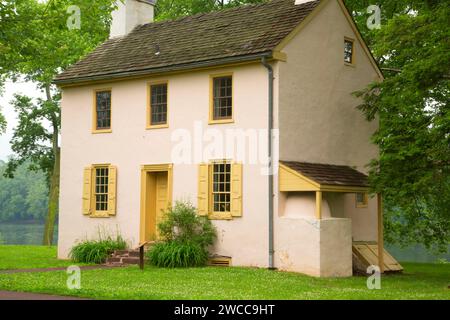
[220, 189]
[102, 111]
[221, 99]
[157, 110]
[99, 190]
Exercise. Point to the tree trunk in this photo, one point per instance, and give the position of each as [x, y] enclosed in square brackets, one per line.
[53, 199]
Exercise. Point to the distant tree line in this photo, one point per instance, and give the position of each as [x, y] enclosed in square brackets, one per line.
[24, 197]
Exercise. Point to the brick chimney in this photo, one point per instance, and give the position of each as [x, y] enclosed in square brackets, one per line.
[129, 14]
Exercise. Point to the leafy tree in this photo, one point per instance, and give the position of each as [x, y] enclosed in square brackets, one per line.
[36, 43]
[24, 196]
[412, 104]
[172, 9]
[2, 122]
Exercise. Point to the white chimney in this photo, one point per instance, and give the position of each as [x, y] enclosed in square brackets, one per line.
[129, 14]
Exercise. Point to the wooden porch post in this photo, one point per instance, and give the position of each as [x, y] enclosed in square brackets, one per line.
[319, 205]
[380, 233]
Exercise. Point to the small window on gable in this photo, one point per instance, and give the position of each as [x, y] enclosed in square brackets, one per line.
[349, 51]
[102, 110]
[158, 105]
[362, 200]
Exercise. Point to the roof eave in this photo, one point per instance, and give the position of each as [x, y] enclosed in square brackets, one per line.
[165, 69]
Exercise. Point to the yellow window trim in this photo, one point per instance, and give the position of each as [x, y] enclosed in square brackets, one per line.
[365, 202]
[94, 112]
[212, 121]
[148, 124]
[352, 64]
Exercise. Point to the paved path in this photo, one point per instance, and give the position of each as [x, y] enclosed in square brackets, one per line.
[10, 295]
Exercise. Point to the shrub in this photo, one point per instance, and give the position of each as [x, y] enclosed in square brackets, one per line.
[96, 251]
[177, 254]
[185, 238]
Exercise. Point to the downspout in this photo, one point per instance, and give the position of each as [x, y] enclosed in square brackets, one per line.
[270, 164]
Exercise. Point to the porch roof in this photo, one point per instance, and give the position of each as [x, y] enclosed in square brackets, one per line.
[303, 176]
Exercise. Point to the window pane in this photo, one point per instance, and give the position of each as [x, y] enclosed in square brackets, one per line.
[221, 190]
[101, 188]
[222, 98]
[103, 109]
[158, 104]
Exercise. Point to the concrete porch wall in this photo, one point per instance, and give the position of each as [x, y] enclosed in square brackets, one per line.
[317, 248]
[336, 248]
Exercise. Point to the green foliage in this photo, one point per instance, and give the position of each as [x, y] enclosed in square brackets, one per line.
[45, 47]
[172, 9]
[2, 122]
[176, 254]
[96, 251]
[36, 44]
[182, 224]
[24, 197]
[186, 237]
[412, 104]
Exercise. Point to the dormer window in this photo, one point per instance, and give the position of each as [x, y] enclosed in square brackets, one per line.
[349, 51]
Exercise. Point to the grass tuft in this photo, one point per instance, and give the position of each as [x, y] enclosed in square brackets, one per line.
[96, 251]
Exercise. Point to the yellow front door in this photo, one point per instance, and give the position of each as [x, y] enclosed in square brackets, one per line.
[161, 199]
[155, 199]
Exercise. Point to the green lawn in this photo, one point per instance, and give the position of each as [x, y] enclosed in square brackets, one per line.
[419, 281]
[24, 257]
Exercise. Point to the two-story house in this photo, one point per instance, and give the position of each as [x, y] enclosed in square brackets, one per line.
[183, 109]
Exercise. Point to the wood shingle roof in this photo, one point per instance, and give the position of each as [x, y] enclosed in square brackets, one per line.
[230, 34]
[330, 175]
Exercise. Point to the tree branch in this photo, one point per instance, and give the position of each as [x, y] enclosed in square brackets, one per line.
[396, 70]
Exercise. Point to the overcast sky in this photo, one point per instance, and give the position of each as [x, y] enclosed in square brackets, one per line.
[8, 111]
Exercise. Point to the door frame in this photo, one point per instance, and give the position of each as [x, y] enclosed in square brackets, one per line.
[152, 168]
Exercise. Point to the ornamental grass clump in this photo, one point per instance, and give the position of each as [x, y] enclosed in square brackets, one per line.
[185, 237]
[96, 251]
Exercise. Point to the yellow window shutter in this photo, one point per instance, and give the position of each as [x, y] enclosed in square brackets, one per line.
[112, 189]
[203, 189]
[87, 189]
[236, 189]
